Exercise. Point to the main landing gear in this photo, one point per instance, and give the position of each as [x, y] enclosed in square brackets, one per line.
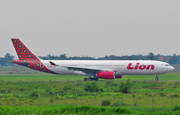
[91, 78]
[157, 77]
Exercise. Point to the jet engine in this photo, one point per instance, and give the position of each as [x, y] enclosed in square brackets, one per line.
[108, 75]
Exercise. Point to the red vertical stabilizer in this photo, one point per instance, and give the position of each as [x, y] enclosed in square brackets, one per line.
[22, 51]
[26, 58]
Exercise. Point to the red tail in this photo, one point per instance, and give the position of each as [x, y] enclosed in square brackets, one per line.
[26, 58]
[22, 51]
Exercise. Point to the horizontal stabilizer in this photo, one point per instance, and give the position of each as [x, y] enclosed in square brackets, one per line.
[26, 63]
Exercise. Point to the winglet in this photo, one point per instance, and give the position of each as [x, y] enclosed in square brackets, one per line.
[52, 63]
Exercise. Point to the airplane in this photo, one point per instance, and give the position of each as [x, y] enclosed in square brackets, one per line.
[104, 69]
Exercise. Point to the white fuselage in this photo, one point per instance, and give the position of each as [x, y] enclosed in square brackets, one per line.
[124, 67]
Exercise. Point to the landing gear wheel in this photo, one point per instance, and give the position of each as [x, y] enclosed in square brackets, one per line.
[95, 79]
[85, 79]
[156, 78]
[90, 79]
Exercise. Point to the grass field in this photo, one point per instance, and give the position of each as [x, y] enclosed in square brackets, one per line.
[142, 89]
[76, 110]
[51, 77]
[67, 86]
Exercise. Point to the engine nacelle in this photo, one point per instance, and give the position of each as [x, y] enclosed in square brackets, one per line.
[108, 75]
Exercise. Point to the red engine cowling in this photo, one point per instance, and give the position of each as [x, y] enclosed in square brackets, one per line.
[108, 75]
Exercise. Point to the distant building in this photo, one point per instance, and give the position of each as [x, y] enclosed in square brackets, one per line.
[164, 59]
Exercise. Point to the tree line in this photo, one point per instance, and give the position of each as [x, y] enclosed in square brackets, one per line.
[171, 59]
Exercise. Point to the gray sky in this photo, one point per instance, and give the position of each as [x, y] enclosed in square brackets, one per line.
[91, 27]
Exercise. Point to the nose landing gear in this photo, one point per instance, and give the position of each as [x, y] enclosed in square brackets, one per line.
[157, 77]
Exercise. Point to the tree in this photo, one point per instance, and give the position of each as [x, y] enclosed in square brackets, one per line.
[8, 56]
[63, 57]
[151, 56]
[174, 59]
[49, 56]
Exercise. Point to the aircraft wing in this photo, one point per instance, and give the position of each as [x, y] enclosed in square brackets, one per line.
[83, 69]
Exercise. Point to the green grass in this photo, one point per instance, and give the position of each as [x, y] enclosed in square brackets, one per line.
[64, 110]
[78, 110]
[152, 77]
[46, 77]
[67, 90]
[49, 85]
[51, 77]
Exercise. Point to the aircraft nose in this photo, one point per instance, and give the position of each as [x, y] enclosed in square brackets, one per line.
[172, 68]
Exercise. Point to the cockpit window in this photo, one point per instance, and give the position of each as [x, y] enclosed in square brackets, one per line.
[167, 65]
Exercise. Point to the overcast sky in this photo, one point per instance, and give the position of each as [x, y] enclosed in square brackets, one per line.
[91, 27]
